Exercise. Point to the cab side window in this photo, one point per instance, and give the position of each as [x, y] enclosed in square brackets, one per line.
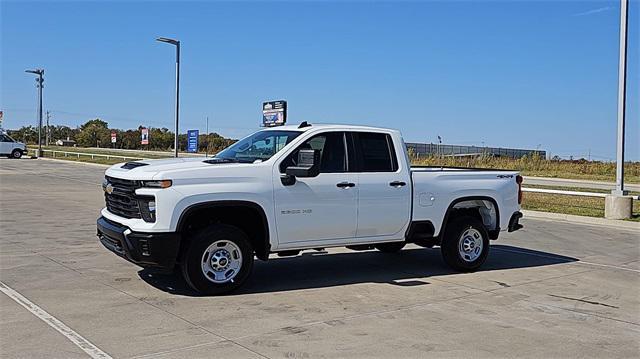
[332, 152]
[376, 152]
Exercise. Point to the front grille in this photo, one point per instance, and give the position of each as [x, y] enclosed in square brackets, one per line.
[122, 201]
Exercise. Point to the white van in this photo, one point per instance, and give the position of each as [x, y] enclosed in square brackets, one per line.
[10, 147]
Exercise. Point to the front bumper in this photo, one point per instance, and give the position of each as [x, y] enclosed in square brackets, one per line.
[514, 222]
[148, 250]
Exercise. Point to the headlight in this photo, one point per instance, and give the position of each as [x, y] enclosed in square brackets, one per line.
[147, 208]
[157, 184]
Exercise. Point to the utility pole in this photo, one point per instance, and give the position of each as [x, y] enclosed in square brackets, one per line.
[206, 149]
[618, 205]
[39, 85]
[48, 133]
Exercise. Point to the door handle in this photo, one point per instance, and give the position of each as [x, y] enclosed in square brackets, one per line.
[346, 184]
[397, 184]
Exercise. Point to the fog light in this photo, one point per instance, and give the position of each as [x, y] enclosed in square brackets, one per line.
[144, 247]
[152, 206]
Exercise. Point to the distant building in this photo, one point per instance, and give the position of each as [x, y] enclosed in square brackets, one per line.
[431, 149]
[67, 142]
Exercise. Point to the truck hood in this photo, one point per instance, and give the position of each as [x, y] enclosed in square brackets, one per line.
[169, 168]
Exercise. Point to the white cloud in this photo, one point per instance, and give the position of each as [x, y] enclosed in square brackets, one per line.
[593, 11]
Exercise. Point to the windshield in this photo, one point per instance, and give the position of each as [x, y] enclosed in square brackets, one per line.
[6, 138]
[259, 146]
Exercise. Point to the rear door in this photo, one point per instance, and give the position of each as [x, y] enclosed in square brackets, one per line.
[384, 187]
[321, 208]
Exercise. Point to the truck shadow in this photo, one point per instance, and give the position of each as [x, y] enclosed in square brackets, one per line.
[321, 269]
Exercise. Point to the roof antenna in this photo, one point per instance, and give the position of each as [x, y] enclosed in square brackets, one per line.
[304, 124]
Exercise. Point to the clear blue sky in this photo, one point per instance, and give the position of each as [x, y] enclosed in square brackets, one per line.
[506, 73]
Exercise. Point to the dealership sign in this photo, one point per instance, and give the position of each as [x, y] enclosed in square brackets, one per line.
[274, 113]
[192, 140]
[144, 136]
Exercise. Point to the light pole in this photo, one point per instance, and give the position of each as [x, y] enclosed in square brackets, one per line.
[622, 94]
[618, 205]
[39, 85]
[177, 45]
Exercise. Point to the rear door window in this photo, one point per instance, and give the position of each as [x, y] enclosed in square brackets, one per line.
[375, 152]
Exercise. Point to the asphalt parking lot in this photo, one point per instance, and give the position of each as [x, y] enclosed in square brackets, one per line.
[553, 289]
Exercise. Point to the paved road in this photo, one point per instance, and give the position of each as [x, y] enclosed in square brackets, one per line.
[563, 182]
[550, 290]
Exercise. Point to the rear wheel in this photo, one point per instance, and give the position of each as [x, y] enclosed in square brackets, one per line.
[16, 153]
[218, 260]
[465, 245]
[392, 247]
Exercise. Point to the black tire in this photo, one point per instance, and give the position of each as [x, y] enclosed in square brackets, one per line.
[393, 247]
[453, 239]
[191, 265]
[16, 153]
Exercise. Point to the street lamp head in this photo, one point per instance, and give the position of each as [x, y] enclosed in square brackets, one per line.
[168, 40]
[36, 71]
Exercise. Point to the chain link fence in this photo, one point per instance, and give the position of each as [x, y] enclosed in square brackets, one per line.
[431, 149]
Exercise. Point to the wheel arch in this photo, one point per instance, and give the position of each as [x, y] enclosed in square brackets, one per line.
[451, 209]
[260, 237]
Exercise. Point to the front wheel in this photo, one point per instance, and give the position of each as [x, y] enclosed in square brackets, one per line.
[465, 245]
[218, 260]
[16, 153]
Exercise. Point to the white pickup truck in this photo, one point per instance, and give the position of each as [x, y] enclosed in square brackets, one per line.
[291, 188]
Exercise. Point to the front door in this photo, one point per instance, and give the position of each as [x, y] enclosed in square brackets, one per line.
[322, 208]
[6, 144]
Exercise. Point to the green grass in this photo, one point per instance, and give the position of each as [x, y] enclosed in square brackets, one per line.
[536, 166]
[567, 204]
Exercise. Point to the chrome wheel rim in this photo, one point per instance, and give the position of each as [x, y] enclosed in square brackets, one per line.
[221, 261]
[470, 245]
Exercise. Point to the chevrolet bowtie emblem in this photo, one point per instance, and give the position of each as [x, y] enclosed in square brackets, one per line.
[108, 188]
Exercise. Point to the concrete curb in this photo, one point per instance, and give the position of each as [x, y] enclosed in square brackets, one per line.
[582, 219]
[77, 162]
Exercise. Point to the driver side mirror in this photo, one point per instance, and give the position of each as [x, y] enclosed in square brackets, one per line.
[308, 166]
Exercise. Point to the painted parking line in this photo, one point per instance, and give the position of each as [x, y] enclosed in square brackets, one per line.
[92, 350]
[579, 261]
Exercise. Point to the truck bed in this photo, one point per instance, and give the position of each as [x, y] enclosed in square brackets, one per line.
[435, 189]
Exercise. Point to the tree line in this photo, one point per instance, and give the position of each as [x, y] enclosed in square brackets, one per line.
[96, 133]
